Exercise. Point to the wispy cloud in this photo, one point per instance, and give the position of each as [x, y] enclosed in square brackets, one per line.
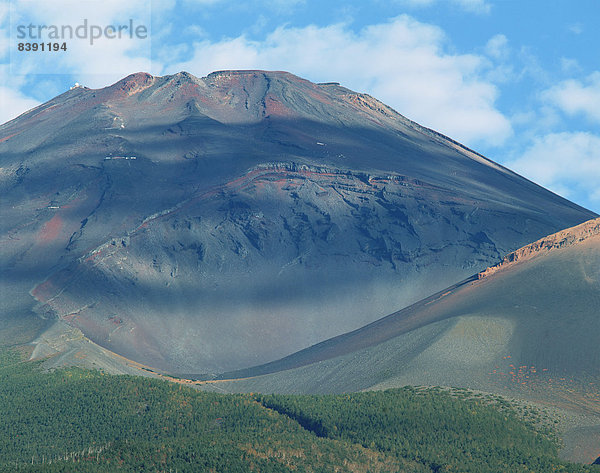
[475, 6]
[93, 64]
[575, 97]
[497, 47]
[575, 28]
[402, 62]
[569, 65]
[96, 66]
[567, 163]
[14, 103]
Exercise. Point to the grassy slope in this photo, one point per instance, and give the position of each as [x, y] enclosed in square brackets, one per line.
[86, 421]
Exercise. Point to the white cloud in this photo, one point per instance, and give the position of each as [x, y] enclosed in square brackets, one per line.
[569, 65]
[577, 97]
[62, 12]
[195, 30]
[94, 65]
[401, 62]
[497, 47]
[4, 11]
[13, 103]
[567, 163]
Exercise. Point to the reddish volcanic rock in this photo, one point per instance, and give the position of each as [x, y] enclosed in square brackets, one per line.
[562, 239]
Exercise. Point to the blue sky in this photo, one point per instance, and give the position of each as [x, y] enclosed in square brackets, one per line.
[517, 80]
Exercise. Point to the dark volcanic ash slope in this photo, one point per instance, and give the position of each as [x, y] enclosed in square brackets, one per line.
[527, 326]
[204, 225]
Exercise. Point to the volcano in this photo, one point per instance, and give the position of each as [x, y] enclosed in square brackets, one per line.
[526, 328]
[518, 325]
[203, 225]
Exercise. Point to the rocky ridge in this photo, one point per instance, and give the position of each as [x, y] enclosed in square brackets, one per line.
[561, 239]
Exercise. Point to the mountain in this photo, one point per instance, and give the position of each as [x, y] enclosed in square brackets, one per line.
[204, 225]
[538, 307]
[525, 328]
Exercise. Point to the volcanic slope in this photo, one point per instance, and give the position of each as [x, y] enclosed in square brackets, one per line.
[528, 328]
[201, 225]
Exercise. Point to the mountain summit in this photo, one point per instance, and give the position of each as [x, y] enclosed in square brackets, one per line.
[202, 225]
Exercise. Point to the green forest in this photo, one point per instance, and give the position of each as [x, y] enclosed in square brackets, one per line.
[75, 420]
